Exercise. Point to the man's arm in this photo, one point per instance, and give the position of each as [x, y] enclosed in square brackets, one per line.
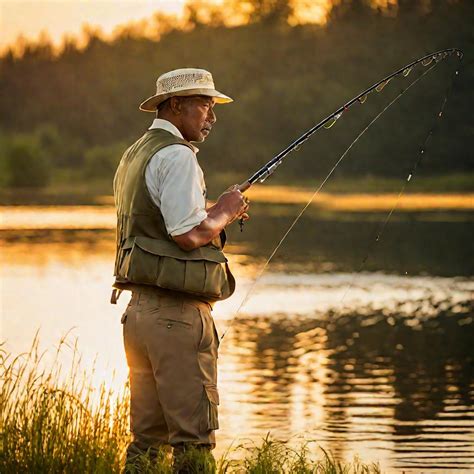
[173, 178]
[230, 206]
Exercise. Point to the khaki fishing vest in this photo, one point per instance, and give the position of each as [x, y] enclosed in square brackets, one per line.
[146, 254]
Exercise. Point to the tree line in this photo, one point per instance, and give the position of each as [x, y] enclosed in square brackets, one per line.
[78, 109]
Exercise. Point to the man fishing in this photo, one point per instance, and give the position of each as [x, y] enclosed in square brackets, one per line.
[169, 255]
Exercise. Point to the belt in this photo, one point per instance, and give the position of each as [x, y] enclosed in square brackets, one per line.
[152, 290]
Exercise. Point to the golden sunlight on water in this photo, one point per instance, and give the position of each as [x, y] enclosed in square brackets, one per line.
[382, 370]
[57, 217]
[103, 217]
[361, 202]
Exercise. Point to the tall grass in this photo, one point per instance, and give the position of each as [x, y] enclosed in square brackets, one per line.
[275, 457]
[53, 421]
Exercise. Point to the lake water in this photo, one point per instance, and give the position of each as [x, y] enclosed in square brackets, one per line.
[375, 359]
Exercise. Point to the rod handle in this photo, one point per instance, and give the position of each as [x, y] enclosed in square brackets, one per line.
[244, 186]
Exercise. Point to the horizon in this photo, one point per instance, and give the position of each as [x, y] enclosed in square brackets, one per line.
[53, 21]
[67, 18]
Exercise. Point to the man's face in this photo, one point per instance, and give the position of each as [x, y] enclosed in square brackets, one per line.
[197, 117]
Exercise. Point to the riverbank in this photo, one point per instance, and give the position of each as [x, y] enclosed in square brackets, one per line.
[69, 189]
[265, 199]
[54, 421]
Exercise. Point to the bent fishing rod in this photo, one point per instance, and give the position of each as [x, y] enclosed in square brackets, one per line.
[268, 169]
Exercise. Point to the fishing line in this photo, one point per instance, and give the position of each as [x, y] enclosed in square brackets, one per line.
[321, 185]
[379, 232]
[269, 168]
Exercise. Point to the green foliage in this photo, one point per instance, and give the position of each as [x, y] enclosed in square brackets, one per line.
[24, 163]
[277, 457]
[53, 421]
[102, 161]
[284, 80]
[62, 149]
[4, 168]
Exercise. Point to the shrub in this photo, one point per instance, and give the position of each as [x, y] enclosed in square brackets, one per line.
[102, 161]
[24, 162]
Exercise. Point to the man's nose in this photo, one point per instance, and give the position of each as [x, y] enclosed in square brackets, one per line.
[211, 117]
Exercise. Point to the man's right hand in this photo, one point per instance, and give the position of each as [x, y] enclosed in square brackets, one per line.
[231, 205]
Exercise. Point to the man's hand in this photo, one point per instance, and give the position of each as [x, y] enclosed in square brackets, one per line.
[244, 217]
[231, 205]
[234, 203]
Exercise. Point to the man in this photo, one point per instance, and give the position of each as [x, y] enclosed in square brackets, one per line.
[169, 254]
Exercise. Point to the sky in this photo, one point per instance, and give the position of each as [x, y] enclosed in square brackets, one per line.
[59, 17]
[31, 17]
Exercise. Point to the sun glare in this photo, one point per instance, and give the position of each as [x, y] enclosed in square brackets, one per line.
[311, 11]
[23, 21]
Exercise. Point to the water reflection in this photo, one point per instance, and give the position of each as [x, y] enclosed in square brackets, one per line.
[352, 381]
[413, 243]
[371, 364]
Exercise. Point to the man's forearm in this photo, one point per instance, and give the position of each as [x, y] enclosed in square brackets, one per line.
[216, 220]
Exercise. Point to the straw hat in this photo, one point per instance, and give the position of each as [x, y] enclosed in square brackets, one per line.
[183, 82]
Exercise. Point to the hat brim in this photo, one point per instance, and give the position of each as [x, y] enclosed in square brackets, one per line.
[150, 104]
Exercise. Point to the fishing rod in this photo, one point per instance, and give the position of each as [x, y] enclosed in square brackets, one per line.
[263, 173]
[269, 168]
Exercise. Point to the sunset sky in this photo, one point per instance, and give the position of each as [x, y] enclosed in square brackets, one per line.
[29, 18]
[59, 17]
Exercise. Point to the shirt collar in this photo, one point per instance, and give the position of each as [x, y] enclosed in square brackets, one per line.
[169, 127]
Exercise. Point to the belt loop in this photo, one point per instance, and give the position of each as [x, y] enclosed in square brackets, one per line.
[115, 296]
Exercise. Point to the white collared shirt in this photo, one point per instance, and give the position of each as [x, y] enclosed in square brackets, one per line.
[176, 184]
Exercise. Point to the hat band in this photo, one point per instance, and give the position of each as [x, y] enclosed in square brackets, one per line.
[181, 88]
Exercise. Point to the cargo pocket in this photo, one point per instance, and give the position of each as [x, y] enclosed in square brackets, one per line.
[211, 420]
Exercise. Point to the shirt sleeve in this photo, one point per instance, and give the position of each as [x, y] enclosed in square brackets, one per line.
[176, 184]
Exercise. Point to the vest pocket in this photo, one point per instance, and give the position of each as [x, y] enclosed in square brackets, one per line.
[195, 276]
[201, 272]
[215, 277]
[138, 266]
[170, 273]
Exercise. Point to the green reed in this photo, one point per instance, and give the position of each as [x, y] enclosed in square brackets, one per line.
[53, 421]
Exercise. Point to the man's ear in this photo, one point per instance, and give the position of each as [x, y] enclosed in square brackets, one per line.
[175, 105]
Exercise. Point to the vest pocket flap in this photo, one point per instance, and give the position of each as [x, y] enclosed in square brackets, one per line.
[165, 248]
[146, 261]
[128, 243]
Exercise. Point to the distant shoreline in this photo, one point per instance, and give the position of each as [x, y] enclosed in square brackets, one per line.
[101, 213]
[70, 191]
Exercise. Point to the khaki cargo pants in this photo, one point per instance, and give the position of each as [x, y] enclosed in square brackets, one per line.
[171, 346]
